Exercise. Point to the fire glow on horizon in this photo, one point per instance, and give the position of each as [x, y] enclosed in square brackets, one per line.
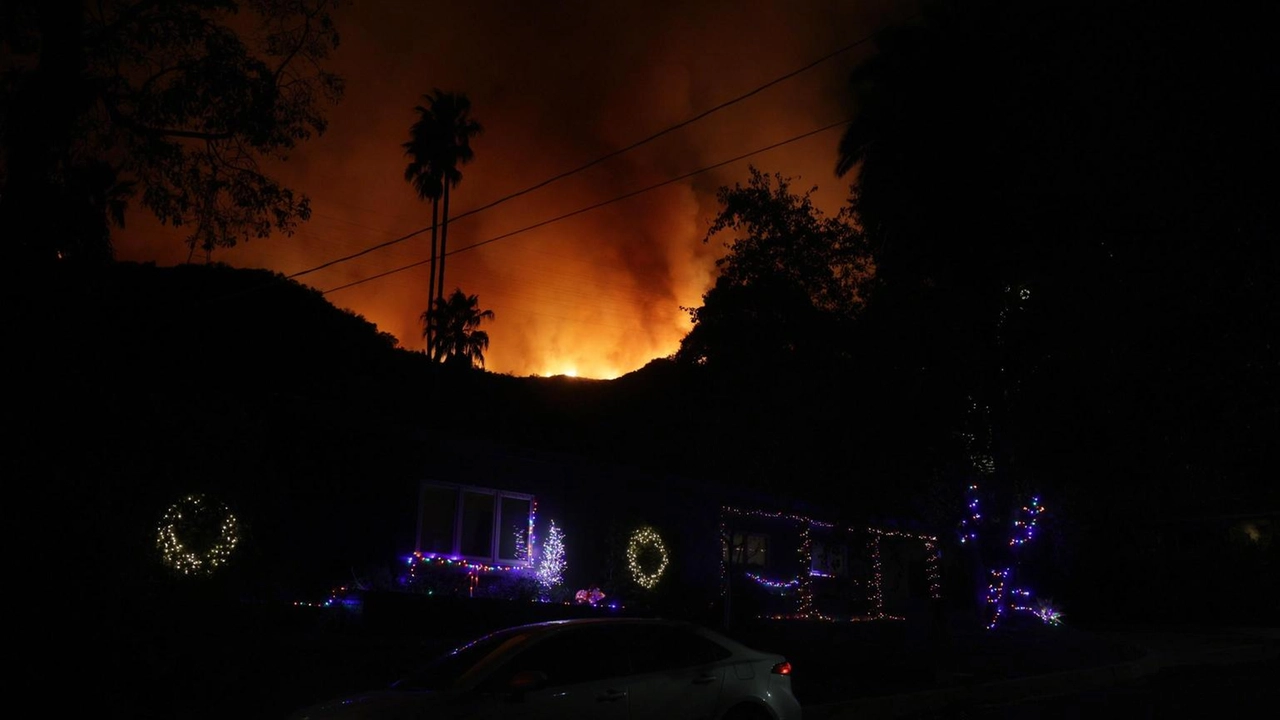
[597, 295]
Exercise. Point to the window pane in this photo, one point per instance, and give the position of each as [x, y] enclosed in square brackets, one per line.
[513, 540]
[448, 669]
[477, 524]
[750, 549]
[829, 559]
[439, 508]
[574, 656]
[655, 649]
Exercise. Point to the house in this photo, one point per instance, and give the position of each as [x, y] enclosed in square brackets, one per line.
[639, 539]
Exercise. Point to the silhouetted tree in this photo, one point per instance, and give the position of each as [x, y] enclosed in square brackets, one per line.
[772, 344]
[789, 281]
[175, 101]
[439, 142]
[1107, 190]
[458, 339]
[1067, 229]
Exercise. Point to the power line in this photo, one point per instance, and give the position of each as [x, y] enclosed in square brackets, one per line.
[598, 205]
[607, 156]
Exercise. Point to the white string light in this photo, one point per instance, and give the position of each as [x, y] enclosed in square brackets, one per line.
[642, 539]
[194, 513]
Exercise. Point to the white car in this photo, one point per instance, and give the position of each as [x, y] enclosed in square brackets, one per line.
[598, 668]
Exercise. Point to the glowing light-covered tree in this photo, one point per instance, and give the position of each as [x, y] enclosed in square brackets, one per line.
[551, 562]
[997, 558]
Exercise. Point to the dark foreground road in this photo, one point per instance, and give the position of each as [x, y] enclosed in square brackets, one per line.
[1245, 690]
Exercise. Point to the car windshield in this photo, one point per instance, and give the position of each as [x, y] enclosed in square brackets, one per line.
[450, 669]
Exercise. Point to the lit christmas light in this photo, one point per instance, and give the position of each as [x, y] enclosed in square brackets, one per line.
[1048, 613]
[521, 544]
[531, 547]
[803, 585]
[551, 563]
[877, 575]
[969, 523]
[995, 596]
[805, 591]
[646, 538]
[1024, 525]
[775, 584]
[933, 570]
[338, 597]
[179, 536]
[418, 559]
[591, 596]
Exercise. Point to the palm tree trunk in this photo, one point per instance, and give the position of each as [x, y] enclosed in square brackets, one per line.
[444, 236]
[431, 282]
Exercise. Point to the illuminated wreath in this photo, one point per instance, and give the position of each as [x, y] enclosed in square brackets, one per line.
[642, 539]
[197, 535]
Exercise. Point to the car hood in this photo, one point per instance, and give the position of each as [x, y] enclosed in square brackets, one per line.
[389, 704]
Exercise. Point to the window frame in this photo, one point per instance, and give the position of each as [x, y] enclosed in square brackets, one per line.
[495, 540]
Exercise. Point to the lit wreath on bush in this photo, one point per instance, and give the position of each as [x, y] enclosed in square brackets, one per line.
[643, 539]
[197, 535]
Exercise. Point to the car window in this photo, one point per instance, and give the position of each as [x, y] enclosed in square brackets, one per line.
[669, 647]
[569, 657]
[448, 670]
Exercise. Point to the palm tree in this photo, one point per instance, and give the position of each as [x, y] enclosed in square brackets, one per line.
[428, 181]
[457, 339]
[439, 142]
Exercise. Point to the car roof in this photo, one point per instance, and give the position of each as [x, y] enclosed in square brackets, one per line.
[551, 625]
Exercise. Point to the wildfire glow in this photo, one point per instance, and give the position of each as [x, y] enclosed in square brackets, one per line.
[585, 368]
[599, 294]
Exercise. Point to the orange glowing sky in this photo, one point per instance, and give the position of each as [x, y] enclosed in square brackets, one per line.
[556, 85]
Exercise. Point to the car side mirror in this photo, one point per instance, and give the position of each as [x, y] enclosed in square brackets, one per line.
[526, 681]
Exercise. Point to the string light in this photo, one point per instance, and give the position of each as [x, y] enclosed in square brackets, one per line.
[337, 597]
[877, 575]
[1024, 525]
[776, 516]
[642, 539]
[775, 584]
[969, 523]
[532, 545]
[933, 562]
[933, 569]
[551, 564]
[995, 596]
[522, 545]
[805, 606]
[852, 618]
[803, 585]
[724, 554]
[196, 515]
[419, 558]
[1021, 596]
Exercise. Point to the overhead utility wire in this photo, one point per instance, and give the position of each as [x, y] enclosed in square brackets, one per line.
[596, 206]
[606, 156]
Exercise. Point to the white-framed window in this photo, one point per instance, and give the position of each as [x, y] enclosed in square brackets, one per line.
[474, 523]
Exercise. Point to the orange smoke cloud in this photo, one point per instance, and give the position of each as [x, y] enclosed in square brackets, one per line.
[599, 294]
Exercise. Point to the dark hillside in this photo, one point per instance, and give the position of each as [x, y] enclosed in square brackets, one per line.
[138, 385]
